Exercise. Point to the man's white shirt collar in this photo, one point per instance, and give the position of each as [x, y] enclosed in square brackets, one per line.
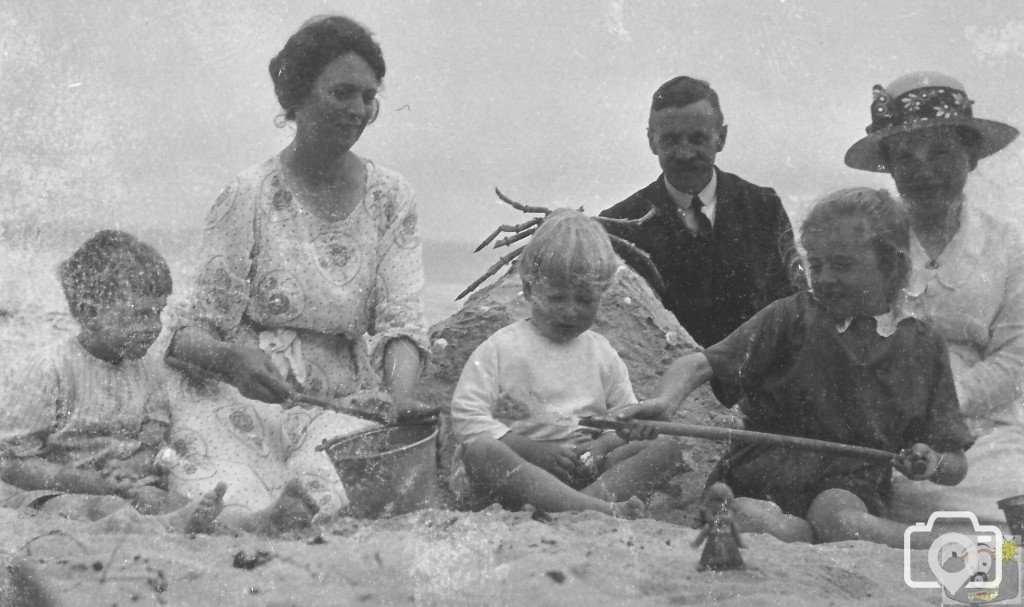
[708, 196]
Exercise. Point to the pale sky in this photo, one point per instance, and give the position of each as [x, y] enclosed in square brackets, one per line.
[128, 113]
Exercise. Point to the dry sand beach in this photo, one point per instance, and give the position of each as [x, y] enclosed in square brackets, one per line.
[440, 556]
[134, 114]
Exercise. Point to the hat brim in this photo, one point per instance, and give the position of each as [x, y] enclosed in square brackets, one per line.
[868, 155]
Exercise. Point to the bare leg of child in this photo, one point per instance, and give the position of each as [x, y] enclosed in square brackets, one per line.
[83, 507]
[500, 472]
[197, 517]
[293, 509]
[761, 516]
[837, 515]
[636, 468]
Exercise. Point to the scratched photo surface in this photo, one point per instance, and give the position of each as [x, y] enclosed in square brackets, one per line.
[134, 115]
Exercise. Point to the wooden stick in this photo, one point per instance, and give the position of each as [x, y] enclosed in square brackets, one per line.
[506, 241]
[654, 279]
[525, 208]
[633, 223]
[491, 271]
[382, 416]
[743, 436]
[508, 228]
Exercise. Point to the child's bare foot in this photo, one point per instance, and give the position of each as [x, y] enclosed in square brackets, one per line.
[293, 509]
[201, 516]
[633, 508]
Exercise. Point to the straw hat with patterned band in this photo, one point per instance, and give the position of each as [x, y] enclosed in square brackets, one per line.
[917, 101]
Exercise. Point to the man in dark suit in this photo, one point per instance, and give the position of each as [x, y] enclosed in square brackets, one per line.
[723, 246]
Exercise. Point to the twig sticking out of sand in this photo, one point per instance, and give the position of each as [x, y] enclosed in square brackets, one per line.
[526, 229]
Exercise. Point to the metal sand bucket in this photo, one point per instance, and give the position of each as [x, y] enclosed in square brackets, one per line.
[1013, 508]
[386, 471]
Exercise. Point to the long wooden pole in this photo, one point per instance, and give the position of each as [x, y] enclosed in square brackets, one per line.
[383, 415]
[743, 436]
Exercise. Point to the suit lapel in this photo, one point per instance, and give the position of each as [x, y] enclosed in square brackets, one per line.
[672, 223]
[657, 195]
[727, 212]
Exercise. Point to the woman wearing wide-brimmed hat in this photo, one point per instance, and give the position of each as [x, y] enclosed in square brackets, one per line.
[967, 278]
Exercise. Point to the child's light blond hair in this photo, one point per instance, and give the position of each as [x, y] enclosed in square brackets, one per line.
[571, 248]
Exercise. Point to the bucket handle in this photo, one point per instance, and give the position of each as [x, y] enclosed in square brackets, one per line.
[327, 443]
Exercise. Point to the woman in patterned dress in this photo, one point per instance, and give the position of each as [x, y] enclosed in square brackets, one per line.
[309, 282]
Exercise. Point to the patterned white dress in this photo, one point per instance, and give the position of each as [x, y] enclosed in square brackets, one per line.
[322, 299]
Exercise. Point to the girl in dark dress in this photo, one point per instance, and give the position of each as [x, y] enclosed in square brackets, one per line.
[842, 362]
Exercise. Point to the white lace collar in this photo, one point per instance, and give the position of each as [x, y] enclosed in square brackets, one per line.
[885, 324]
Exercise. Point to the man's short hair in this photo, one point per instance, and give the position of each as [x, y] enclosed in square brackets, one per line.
[681, 91]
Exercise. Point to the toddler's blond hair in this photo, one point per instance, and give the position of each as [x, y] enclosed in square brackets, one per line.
[569, 247]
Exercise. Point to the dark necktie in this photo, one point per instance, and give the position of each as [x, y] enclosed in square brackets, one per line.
[704, 229]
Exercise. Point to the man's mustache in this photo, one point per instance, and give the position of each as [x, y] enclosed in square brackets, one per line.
[688, 166]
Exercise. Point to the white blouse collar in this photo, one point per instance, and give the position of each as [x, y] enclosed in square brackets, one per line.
[957, 262]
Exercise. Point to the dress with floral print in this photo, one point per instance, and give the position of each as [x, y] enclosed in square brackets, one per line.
[345, 288]
[322, 299]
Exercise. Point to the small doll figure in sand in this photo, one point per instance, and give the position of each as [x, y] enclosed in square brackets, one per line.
[719, 531]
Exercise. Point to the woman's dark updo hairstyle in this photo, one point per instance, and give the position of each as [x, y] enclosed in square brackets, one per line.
[318, 42]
